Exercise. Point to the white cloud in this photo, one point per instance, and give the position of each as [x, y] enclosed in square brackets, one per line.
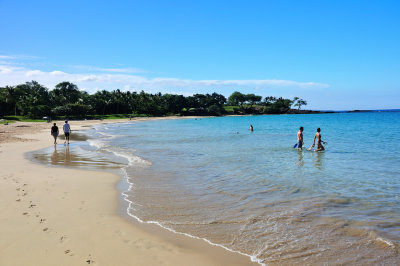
[35, 73]
[7, 69]
[123, 79]
[57, 73]
[128, 70]
[87, 78]
[6, 57]
[17, 57]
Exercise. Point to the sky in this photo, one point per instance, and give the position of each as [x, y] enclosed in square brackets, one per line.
[336, 55]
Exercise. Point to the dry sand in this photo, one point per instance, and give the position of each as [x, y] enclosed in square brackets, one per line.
[63, 216]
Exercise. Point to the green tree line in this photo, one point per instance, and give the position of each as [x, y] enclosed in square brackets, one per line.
[33, 100]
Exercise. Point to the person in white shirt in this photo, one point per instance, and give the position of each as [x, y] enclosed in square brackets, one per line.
[67, 131]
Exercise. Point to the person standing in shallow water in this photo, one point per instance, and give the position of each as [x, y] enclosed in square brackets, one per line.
[251, 128]
[300, 141]
[54, 132]
[67, 131]
[319, 140]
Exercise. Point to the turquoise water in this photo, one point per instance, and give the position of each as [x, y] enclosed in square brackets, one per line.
[252, 192]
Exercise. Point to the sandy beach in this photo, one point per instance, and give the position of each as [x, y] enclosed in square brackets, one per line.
[65, 216]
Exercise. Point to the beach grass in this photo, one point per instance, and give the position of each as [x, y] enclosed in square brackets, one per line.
[14, 118]
[231, 108]
[6, 122]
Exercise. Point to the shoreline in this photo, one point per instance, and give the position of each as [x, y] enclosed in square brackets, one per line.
[66, 216]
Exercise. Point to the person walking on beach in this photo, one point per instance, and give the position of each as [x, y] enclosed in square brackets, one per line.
[67, 131]
[300, 141]
[54, 132]
[319, 140]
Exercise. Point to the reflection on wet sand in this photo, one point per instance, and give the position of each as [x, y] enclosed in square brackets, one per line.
[54, 157]
[76, 155]
[67, 159]
[59, 158]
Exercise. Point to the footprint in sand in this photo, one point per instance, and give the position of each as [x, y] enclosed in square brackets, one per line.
[25, 213]
[119, 233]
[63, 239]
[8, 176]
[90, 261]
[18, 200]
[45, 229]
[69, 252]
[137, 244]
[42, 220]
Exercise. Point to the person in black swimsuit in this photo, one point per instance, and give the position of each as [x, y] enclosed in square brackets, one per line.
[54, 132]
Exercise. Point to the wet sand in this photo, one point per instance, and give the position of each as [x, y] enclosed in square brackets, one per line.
[67, 216]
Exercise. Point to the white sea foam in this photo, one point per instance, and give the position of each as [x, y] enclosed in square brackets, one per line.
[106, 135]
[133, 160]
[97, 143]
[253, 258]
[102, 143]
[387, 242]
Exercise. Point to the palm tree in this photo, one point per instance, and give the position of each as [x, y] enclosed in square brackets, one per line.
[69, 91]
[299, 102]
[11, 97]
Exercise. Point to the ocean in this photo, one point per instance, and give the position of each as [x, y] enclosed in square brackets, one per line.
[251, 192]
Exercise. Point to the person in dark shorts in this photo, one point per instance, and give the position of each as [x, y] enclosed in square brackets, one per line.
[54, 132]
[67, 131]
[300, 138]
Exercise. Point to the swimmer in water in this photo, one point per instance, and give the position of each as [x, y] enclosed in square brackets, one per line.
[300, 141]
[319, 140]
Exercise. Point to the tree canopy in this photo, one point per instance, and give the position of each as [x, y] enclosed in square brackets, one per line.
[33, 100]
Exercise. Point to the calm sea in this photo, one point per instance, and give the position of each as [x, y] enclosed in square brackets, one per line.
[252, 192]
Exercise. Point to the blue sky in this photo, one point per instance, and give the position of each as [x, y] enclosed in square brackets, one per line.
[334, 54]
